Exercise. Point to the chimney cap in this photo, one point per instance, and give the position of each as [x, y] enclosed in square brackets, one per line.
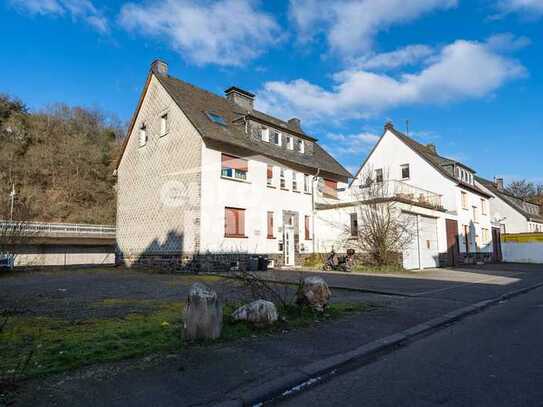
[160, 67]
[235, 89]
[389, 125]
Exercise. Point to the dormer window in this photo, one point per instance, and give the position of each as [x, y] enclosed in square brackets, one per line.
[289, 142]
[276, 138]
[301, 146]
[143, 135]
[265, 134]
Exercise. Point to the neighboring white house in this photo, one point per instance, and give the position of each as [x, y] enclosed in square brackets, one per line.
[206, 180]
[451, 213]
[513, 214]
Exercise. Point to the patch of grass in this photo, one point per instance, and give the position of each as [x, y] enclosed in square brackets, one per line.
[61, 345]
[315, 261]
[390, 268]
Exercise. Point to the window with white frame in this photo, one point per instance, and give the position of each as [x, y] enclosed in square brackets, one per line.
[143, 135]
[276, 138]
[164, 124]
[475, 212]
[300, 145]
[282, 179]
[234, 167]
[265, 134]
[379, 175]
[289, 140]
[486, 236]
[483, 207]
[464, 200]
[405, 171]
[294, 181]
[307, 183]
[269, 175]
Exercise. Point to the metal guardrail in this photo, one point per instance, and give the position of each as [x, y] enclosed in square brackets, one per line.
[40, 228]
[401, 190]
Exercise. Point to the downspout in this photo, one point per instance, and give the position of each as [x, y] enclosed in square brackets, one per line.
[315, 178]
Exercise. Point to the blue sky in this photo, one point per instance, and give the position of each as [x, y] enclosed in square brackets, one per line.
[466, 74]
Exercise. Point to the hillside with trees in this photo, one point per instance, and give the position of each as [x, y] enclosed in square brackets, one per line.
[61, 161]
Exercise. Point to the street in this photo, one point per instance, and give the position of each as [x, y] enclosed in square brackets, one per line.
[493, 358]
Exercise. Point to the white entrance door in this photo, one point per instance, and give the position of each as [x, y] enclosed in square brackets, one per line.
[289, 246]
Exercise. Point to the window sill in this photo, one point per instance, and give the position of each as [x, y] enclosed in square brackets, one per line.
[271, 238]
[308, 193]
[236, 236]
[271, 186]
[405, 179]
[295, 190]
[285, 189]
[165, 134]
[243, 181]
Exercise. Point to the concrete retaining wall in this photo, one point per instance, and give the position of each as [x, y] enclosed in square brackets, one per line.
[64, 255]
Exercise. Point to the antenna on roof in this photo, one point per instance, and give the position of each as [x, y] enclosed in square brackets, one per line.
[407, 127]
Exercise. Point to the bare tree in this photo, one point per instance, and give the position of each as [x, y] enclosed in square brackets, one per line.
[377, 224]
[14, 232]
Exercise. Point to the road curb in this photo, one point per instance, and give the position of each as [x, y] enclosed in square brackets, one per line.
[313, 371]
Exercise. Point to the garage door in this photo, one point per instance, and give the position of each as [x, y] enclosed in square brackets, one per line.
[411, 252]
[428, 242]
[425, 234]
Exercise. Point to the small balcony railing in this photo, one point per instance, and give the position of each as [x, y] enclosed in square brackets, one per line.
[401, 191]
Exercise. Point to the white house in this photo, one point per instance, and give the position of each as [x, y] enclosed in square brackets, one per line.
[451, 213]
[513, 214]
[206, 180]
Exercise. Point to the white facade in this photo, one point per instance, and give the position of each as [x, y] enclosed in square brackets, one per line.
[421, 183]
[257, 198]
[508, 217]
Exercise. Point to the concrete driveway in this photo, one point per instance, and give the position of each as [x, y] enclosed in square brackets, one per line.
[463, 284]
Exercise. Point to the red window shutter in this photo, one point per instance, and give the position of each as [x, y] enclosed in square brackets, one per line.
[270, 225]
[229, 161]
[330, 187]
[270, 171]
[234, 222]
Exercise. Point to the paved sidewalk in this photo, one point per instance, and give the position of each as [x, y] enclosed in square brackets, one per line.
[207, 375]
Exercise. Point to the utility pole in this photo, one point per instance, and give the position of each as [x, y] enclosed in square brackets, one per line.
[12, 199]
[407, 127]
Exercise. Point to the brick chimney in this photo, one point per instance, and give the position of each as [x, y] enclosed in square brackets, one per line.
[295, 124]
[499, 183]
[432, 148]
[160, 67]
[389, 125]
[240, 97]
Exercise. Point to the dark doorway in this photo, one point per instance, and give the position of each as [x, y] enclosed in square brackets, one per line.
[452, 242]
[497, 244]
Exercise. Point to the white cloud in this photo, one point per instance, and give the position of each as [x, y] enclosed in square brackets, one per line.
[409, 55]
[528, 7]
[461, 70]
[77, 9]
[507, 42]
[350, 26]
[351, 144]
[224, 32]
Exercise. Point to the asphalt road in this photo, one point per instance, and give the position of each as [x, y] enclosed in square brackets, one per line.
[494, 358]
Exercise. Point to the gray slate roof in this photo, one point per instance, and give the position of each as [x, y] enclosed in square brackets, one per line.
[441, 164]
[510, 199]
[195, 102]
